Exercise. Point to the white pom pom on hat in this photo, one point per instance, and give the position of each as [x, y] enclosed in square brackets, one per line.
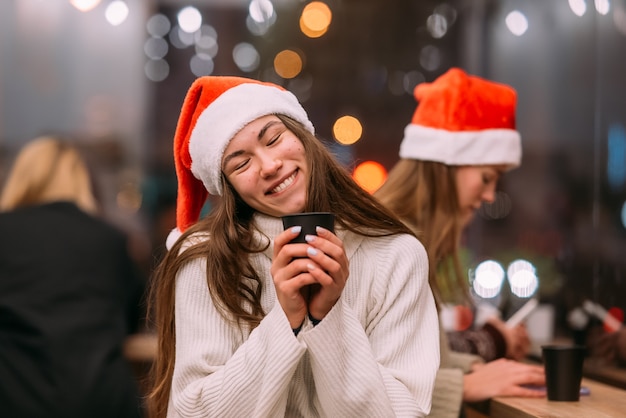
[215, 108]
[463, 120]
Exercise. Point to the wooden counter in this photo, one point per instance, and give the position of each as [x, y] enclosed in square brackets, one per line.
[604, 401]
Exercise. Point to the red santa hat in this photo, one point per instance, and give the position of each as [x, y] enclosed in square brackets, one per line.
[214, 110]
[463, 120]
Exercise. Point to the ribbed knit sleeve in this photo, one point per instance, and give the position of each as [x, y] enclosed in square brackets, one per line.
[375, 354]
[218, 371]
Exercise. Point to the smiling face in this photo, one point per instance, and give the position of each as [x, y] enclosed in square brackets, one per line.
[475, 185]
[265, 163]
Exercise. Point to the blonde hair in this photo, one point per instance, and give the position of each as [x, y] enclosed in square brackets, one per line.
[424, 195]
[48, 169]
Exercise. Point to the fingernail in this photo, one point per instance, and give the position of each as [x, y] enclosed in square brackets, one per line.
[309, 238]
[296, 229]
[319, 228]
[311, 251]
[310, 266]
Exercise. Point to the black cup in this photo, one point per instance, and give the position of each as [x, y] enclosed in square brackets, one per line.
[564, 371]
[309, 221]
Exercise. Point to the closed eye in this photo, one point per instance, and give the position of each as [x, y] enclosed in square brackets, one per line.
[274, 139]
[241, 165]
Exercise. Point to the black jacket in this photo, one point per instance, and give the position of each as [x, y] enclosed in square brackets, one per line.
[69, 296]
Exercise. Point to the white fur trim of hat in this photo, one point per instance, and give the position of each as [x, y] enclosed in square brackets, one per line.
[484, 147]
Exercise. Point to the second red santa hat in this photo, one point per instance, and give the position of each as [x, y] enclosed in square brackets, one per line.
[463, 120]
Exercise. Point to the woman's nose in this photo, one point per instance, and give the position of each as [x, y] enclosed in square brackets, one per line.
[269, 165]
[489, 195]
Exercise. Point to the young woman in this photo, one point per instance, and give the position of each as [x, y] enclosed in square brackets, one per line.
[70, 294]
[252, 325]
[461, 139]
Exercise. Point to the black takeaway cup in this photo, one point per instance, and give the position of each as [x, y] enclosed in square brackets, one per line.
[564, 371]
[309, 221]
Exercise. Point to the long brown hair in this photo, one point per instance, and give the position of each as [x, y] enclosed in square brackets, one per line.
[424, 195]
[234, 285]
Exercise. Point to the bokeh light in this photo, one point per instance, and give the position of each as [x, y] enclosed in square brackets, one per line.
[201, 65]
[522, 278]
[347, 130]
[158, 25]
[246, 57]
[487, 279]
[189, 19]
[315, 19]
[179, 38]
[579, 7]
[84, 5]
[116, 12]
[437, 25]
[205, 41]
[430, 58]
[517, 23]
[288, 63]
[155, 48]
[157, 70]
[602, 6]
[370, 175]
[261, 11]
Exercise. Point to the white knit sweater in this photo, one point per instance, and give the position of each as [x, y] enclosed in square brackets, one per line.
[375, 354]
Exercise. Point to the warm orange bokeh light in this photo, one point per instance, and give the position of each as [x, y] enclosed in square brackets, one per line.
[347, 130]
[288, 63]
[311, 33]
[315, 19]
[370, 175]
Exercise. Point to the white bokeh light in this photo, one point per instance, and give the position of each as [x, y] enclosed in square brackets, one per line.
[189, 19]
[522, 278]
[84, 5]
[201, 65]
[181, 39]
[246, 57]
[155, 48]
[517, 23]
[437, 25]
[157, 70]
[158, 25]
[579, 7]
[205, 40]
[488, 278]
[116, 12]
[602, 6]
[261, 10]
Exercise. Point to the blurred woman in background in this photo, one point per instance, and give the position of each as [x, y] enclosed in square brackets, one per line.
[69, 293]
[461, 139]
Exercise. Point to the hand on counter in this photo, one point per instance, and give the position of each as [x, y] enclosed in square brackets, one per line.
[516, 338]
[502, 377]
